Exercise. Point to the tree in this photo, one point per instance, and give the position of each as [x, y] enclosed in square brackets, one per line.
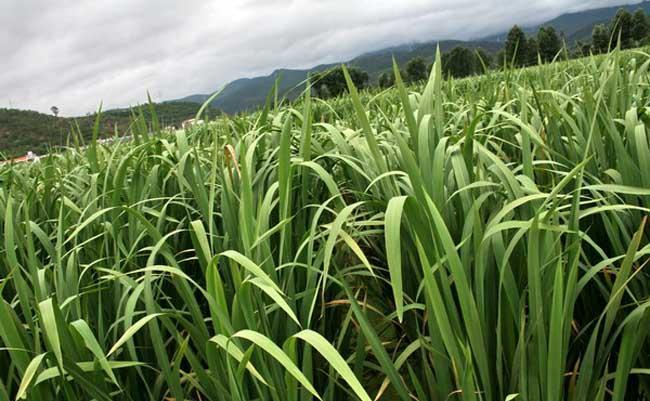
[640, 25]
[55, 110]
[516, 51]
[532, 52]
[582, 49]
[483, 60]
[416, 69]
[459, 62]
[500, 59]
[621, 25]
[359, 78]
[549, 43]
[332, 83]
[599, 39]
[386, 80]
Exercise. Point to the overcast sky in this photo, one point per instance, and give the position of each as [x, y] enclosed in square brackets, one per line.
[76, 53]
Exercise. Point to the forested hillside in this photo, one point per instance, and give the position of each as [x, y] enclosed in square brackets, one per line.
[25, 130]
[249, 93]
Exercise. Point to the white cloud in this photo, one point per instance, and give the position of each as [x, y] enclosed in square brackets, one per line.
[76, 53]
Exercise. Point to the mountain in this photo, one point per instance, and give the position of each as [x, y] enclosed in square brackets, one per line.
[377, 62]
[25, 130]
[578, 26]
[250, 93]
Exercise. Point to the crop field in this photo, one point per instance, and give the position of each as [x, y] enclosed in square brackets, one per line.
[479, 239]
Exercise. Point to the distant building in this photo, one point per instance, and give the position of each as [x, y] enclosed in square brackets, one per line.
[192, 121]
[32, 157]
[29, 157]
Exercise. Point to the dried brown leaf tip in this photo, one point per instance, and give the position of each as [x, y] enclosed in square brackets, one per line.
[229, 153]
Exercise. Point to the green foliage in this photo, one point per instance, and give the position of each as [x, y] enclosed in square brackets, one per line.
[581, 49]
[484, 59]
[460, 62]
[416, 70]
[532, 51]
[386, 80]
[631, 29]
[640, 25]
[549, 43]
[621, 27]
[600, 39]
[516, 50]
[474, 239]
[331, 83]
[23, 130]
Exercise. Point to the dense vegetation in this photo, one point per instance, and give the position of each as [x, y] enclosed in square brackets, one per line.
[631, 29]
[331, 83]
[24, 130]
[481, 239]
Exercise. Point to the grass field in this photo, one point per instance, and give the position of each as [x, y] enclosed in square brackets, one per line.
[481, 239]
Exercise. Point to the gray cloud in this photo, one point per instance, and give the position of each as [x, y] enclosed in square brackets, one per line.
[76, 53]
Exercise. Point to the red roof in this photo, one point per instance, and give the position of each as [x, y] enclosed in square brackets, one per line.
[21, 159]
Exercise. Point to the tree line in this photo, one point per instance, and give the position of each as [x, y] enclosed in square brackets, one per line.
[632, 29]
[458, 63]
[25, 130]
[520, 50]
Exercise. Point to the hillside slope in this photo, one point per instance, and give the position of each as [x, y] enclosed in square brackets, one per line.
[578, 25]
[249, 93]
[24, 130]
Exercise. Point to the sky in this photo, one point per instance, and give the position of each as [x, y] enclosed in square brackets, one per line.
[74, 54]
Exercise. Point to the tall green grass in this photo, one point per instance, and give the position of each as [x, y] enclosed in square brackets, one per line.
[481, 239]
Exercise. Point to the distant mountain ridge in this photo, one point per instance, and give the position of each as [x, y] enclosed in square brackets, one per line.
[250, 93]
[578, 25]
